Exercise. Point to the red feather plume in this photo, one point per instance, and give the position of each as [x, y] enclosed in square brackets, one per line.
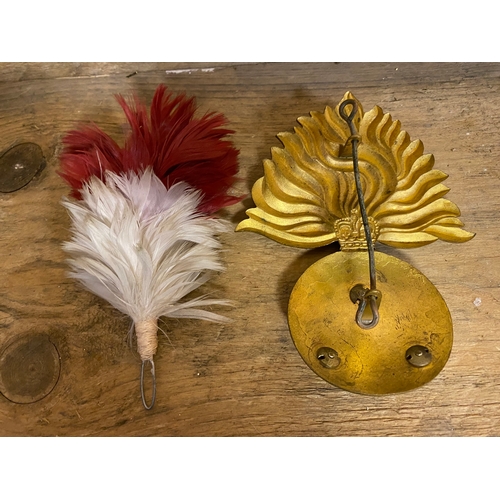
[178, 146]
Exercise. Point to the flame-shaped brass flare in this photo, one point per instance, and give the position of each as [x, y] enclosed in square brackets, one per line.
[308, 191]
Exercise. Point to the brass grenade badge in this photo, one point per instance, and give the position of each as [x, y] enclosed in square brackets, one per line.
[364, 321]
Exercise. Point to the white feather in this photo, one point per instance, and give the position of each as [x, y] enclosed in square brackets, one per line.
[143, 247]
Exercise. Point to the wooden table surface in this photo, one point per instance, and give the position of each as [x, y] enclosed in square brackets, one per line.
[244, 378]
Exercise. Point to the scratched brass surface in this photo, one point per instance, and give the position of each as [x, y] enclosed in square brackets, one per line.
[374, 361]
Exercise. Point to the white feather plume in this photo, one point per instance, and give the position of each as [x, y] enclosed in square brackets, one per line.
[143, 247]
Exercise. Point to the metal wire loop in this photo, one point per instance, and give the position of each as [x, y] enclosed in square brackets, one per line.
[153, 375]
[369, 295]
[349, 117]
[373, 321]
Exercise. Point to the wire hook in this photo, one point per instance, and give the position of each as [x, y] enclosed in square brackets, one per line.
[374, 297]
[153, 398]
[373, 294]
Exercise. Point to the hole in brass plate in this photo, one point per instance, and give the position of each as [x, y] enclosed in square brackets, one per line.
[357, 293]
[328, 357]
[418, 356]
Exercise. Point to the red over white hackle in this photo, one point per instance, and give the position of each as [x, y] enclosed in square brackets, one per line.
[142, 232]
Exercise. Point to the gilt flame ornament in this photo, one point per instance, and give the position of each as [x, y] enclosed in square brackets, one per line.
[364, 321]
[307, 197]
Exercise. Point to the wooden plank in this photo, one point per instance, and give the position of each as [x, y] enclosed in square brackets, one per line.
[246, 378]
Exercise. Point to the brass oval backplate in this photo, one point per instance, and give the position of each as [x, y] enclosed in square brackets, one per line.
[414, 319]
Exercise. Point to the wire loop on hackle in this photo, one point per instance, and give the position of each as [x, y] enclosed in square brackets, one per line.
[153, 375]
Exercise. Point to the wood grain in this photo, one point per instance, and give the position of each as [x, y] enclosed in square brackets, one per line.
[246, 378]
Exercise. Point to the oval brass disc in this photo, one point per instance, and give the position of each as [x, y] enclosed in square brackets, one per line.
[406, 349]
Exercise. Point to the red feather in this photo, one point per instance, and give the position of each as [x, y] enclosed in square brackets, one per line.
[178, 146]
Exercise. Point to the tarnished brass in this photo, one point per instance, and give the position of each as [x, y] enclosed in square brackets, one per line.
[328, 357]
[412, 315]
[307, 197]
[362, 320]
[418, 355]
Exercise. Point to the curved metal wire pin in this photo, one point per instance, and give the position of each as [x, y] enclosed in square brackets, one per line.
[372, 293]
[153, 375]
[374, 297]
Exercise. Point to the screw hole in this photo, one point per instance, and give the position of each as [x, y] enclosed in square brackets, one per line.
[328, 357]
[418, 356]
